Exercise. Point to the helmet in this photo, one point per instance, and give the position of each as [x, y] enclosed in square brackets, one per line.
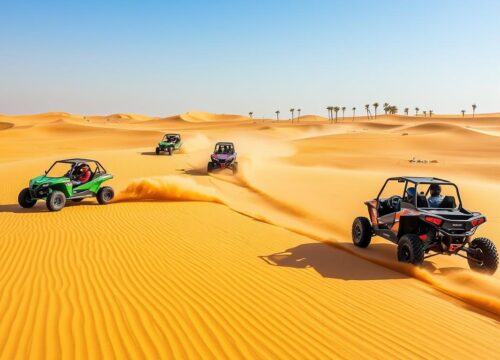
[411, 192]
[84, 168]
[435, 189]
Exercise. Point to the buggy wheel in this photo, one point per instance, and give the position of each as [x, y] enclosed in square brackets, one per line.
[210, 167]
[170, 150]
[157, 151]
[361, 232]
[56, 201]
[105, 195]
[485, 257]
[25, 200]
[411, 249]
[235, 168]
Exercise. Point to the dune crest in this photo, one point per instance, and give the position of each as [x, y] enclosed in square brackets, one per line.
[201, 117]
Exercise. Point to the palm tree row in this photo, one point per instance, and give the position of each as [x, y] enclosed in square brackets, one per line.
[292, 111]
[388, 109]
[474, 106]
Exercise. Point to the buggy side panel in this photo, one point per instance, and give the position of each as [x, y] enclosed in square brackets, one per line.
[372, 211]
[94, 184]
[408, 224]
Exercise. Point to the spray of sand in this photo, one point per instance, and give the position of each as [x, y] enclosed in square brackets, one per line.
[168, 188]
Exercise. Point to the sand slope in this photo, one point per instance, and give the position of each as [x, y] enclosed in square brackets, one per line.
[186, 265]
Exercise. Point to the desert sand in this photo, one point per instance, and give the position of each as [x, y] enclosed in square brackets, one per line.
[259, 265]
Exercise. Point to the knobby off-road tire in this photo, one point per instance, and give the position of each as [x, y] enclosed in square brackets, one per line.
[170, 150]
[210, 167]
[361, 232]
[56, 200]
[488, 259]
[25, 200]
[235, 168]
[157, 151]
[105, 195]
[411, 249]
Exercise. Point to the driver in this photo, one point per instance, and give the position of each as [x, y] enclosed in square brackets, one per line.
[436, 198]
[82, 175]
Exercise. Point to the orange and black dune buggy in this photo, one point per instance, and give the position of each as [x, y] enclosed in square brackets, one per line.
[421, 215]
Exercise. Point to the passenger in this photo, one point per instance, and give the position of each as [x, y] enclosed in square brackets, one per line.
[436, 198]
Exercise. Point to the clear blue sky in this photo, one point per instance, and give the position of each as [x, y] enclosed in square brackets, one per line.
[162, 57]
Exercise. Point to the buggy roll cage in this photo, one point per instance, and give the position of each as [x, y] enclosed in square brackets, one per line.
[76, 162]
[417, 181]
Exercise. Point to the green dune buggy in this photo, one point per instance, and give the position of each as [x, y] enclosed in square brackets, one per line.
[169, 144]
[60, 183]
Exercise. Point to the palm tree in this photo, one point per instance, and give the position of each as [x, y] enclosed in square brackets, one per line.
[336, 109]
[330, 113]
[416, 111]
[386, 107]
[353, 113]
[277, 112]
[343, 113]
[430, 113]
[474, 106]
[406, 111]
[392, 110]
[375, 105]
[425, 113]
[250, 114]
[463, 113]
[298, 116]
[367, 107]
[292, 111]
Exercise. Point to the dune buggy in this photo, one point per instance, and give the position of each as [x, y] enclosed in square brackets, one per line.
[413, 213]
[60, 184]
[169, 144]
[223, 157]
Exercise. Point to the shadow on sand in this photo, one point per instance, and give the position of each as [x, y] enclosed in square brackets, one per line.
[193, 172]
[149, 153]
[40, 207]
[330, 262]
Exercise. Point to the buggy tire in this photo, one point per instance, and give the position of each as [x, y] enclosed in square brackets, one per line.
[411, 249]
[170, 150]
[25, 200]
[361, 232]
[489, 256]
[105, 195]
[157, 151]
[235, 168]
[56, 200]
[210, 167]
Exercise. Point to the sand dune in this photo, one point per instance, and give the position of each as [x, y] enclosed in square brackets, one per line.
[208, 117]
[259, 265]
